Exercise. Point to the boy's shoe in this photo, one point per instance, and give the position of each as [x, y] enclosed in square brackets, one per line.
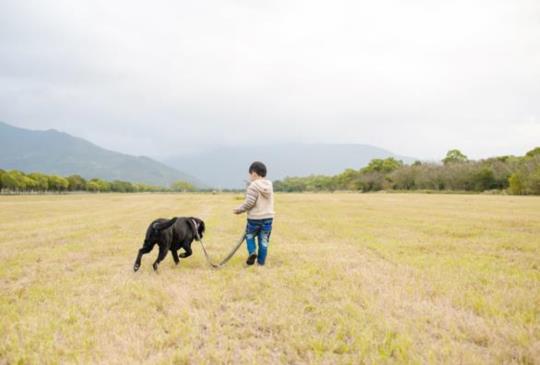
[251, 259]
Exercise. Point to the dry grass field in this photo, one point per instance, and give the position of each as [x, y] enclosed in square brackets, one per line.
[350, 279]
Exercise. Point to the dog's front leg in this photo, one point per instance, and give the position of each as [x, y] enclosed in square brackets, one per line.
[175, 256]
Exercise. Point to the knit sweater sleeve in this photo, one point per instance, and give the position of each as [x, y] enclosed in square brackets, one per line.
[251, 198]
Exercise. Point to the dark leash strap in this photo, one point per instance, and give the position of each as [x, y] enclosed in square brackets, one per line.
[227, 258]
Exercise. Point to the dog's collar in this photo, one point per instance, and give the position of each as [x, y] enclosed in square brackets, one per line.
[196, 229]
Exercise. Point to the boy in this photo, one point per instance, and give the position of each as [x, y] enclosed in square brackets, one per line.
[259, 205]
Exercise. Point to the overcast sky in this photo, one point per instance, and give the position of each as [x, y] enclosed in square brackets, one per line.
[164, 77]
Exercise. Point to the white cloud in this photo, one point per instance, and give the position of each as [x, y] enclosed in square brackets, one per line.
[416, 77]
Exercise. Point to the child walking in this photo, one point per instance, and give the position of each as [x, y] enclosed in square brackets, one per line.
[259, 205]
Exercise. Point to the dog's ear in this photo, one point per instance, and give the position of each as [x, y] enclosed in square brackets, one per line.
[202, 227]
[194, 224]
[165, 225]
[197, 227]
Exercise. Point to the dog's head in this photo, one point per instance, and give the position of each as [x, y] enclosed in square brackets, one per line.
[154, 231]
[197, 226]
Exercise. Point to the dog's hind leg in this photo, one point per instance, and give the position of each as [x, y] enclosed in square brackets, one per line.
[162, 253]
[145, 249]
[187, 253]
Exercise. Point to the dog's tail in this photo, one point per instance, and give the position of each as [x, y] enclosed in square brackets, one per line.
[164, 225]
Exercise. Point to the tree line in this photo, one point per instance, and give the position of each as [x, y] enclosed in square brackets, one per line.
[15, 181]
[519, 175]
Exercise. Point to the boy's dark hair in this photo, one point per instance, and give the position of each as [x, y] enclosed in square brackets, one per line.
[259, 168]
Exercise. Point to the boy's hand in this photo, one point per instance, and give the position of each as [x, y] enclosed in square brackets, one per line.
[236, 211]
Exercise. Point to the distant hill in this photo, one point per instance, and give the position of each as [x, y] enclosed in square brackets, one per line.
[227, 167]
[55, 152]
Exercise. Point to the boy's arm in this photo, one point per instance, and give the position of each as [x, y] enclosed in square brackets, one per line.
[251, 198]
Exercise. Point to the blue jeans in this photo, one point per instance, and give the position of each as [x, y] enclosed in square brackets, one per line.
[260, 228]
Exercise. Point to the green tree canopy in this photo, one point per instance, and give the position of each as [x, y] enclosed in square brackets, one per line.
[103, 186]
[42, 181]
[58, 183]
[384, 166]
[122, 186]
[348, 179]
[21, 181]
[76, 183]
[92, 186]
[182, 186]
[533, 152]
[454, 156]
[11, 180]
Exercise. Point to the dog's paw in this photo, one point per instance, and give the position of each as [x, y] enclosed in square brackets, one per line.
[136, 267]
[155, 266]
[183, 255]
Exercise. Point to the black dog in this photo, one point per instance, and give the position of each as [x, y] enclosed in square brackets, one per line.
[172, 235]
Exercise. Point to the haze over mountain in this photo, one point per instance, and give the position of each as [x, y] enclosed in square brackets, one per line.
[54, 152]
[226, 167]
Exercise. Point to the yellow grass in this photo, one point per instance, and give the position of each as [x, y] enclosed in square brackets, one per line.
[350, 278]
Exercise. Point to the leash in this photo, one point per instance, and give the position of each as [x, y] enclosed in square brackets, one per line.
[227, 258]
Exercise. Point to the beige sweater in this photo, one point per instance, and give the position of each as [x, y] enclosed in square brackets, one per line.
[259, 203]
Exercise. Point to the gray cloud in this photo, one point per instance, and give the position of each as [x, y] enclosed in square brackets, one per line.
[415, 77]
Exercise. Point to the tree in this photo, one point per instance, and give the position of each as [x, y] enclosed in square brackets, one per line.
[102, 185]
[501, 169]
[15, 180]
[320, 183]
[76, 183]
[533, 182]
[483, 179]
[515, 184]
[92, 186]
[525, 178]
[29, 183]
[404, 178]
[278, 185]
[428, 176]
[58, 183]
[454, 156]
[42, 181]
[384, 166]
[294, 184]
[148, 188]
[122, 186]
[10, 181]
[348, 180]
[182, 186]
[533, 152]
[372, 181]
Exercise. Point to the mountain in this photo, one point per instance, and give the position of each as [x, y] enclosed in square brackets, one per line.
[226, 167]
[55, 152]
